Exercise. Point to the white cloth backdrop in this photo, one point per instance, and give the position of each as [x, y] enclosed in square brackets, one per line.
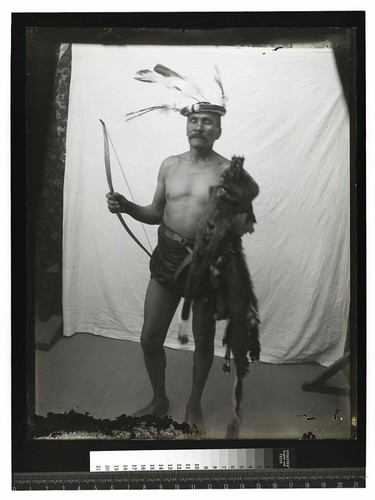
[286, 113]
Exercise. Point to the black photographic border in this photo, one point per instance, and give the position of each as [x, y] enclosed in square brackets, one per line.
[73, 456]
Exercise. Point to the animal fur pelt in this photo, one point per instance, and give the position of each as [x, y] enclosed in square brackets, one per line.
[238, 304]
[232, 196]
[220, 251]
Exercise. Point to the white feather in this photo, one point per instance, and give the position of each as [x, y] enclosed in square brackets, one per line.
[170, 79]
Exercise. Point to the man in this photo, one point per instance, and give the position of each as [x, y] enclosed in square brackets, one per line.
[179, 201]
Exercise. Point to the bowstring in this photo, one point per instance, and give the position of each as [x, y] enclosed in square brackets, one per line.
[131, 194]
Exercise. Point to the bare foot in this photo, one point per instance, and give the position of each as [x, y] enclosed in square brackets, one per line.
[233, 428]
[194, 416]
[157, 407]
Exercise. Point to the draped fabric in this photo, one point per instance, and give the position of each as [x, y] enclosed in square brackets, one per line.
[48, 237]
[286, 113]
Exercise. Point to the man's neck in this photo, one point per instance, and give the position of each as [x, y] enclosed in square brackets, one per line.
[201, 155]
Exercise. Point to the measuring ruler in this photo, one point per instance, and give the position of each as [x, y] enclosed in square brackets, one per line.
[222, 479]
[190, 469]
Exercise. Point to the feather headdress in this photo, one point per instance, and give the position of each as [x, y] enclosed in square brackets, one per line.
[162, 75]
[170, 79]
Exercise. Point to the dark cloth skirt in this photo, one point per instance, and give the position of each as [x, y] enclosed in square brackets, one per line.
[166, 260]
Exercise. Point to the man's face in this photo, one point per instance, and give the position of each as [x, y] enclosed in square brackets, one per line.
[203, 129]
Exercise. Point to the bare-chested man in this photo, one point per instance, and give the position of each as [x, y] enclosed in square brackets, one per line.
[179, 201]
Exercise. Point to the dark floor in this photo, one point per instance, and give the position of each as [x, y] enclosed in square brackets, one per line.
[107, 378]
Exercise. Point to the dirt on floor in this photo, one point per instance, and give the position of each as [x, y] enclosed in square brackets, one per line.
[73, 425]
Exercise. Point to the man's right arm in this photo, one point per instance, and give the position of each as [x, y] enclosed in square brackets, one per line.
[150, 214]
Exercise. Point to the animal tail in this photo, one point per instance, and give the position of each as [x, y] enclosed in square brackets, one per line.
[185, 312]
[182, 329]
[233, 426]
[254, 344]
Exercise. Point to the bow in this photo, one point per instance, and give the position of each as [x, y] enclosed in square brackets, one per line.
[107, 163]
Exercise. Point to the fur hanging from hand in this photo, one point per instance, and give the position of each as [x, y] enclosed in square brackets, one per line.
[220, 251]
[233, 196]
[237, 303]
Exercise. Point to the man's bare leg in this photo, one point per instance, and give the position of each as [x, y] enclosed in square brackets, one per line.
[160, 306]
[204, 333]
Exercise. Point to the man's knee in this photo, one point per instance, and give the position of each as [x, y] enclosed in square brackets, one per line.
[204, 341]
[151, 339]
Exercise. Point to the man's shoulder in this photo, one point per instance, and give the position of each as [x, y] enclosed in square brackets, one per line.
[172, 161]
[182, 156]
[169, 164]
[224, 162]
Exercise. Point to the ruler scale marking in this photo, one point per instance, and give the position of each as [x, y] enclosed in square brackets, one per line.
[194, 468]
[294, 478]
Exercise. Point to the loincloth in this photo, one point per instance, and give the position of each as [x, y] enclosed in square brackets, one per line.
[170, 261]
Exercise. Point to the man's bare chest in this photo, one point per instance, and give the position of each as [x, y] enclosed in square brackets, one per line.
[192, 184]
